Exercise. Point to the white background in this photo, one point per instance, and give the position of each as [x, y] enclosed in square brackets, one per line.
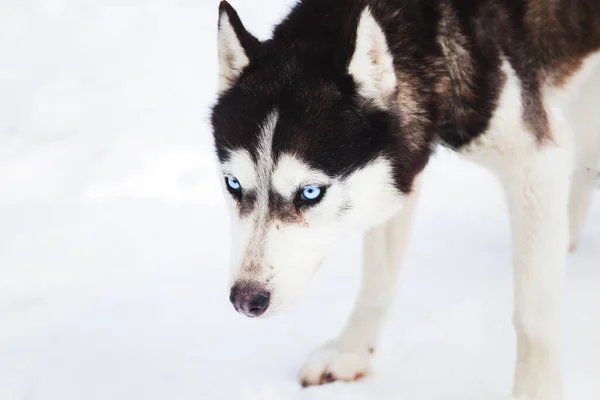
[114, 242]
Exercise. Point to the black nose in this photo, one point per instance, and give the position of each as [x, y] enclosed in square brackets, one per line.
[250, 298]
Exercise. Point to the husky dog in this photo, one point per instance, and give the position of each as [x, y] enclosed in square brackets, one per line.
[326, 127]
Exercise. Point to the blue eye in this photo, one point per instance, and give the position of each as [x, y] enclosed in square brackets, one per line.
[233, 184]
[311, 193]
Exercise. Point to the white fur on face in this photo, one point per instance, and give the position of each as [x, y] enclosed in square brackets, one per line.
[241, 166]
[232, 56]
[248, 231]
[291, 173]
[283, 254]
[372, 65]
[364, 199]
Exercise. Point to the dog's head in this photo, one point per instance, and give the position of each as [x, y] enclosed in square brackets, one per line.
[309, 148]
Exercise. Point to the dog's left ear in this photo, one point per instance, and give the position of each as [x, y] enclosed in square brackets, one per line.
[372, 64]
[237, 46]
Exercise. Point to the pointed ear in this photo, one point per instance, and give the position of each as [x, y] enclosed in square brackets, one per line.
[236, 46]
[372, 65]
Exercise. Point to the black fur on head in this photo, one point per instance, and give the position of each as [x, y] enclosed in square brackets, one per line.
[447, 55]
[302, 73]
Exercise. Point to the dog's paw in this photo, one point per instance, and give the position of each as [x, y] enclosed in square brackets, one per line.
[336, 362]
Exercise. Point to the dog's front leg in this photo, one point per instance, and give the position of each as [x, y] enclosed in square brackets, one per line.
[348, 357]
[537, 192]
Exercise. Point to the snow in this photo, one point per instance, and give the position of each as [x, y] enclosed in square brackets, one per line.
[114, 242]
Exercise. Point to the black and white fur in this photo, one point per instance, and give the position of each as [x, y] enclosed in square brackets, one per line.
[352, 96]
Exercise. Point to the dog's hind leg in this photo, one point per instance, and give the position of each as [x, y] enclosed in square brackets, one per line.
[348, 357]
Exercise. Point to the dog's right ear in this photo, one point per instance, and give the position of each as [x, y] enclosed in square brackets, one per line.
[236, 45]
[372, 65]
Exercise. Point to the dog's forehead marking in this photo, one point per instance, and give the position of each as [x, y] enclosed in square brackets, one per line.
[264, 157]
[263, 167]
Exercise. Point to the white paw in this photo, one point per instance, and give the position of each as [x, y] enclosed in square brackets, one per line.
[336, 362]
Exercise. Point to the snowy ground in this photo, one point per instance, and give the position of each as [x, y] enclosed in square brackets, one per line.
[113, 238]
